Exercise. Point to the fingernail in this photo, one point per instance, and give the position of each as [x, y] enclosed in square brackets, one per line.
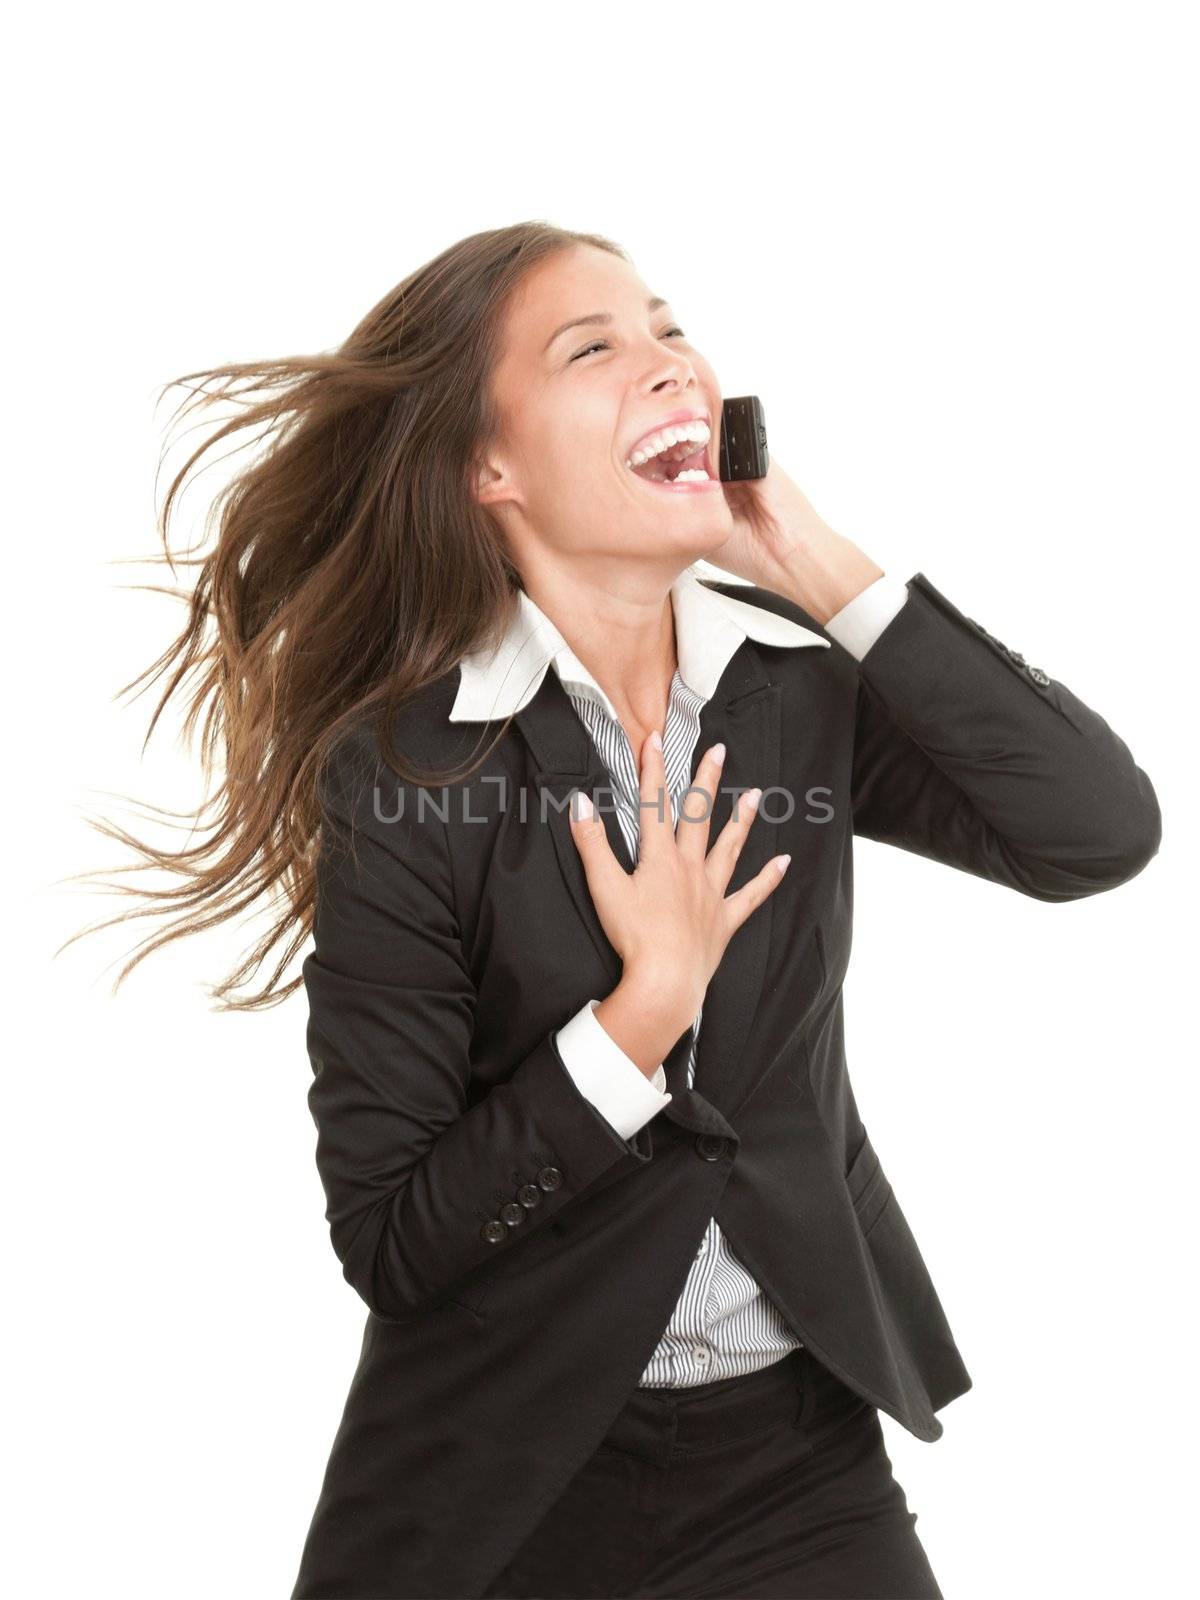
[656, 739]
[782, 863]
[717, 753]
[583, 805]
[752, 797]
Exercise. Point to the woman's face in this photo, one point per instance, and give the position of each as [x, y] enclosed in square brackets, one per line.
[574, 402]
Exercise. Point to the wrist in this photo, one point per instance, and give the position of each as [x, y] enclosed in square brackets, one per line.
[663, 989]
[644, 1018]
[825, 572]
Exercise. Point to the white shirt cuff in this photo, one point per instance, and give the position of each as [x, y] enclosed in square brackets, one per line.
[858, 624]
[604, 1074]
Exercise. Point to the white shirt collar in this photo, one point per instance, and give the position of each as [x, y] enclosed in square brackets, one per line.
[709, 627]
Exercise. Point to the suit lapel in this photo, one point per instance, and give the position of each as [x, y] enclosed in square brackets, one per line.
[744, 711]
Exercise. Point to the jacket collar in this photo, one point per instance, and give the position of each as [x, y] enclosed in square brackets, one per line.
[709, 628]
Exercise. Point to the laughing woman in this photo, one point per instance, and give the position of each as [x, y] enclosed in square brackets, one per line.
[638, 1287]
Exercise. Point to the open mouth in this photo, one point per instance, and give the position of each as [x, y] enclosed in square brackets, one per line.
[685, 465]
[673, 463]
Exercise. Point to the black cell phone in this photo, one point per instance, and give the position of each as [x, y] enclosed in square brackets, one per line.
[743, 439]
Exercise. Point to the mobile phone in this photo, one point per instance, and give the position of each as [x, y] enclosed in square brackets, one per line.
[743, 439]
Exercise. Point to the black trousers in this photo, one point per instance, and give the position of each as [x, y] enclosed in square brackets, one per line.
[771, 1486]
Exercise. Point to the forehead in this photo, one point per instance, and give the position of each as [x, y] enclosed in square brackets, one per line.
[574, 284]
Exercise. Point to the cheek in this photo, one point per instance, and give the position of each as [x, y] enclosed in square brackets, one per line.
[573, 473]
[576, 453]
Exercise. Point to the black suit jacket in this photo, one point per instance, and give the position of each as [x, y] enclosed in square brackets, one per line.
[448, 950]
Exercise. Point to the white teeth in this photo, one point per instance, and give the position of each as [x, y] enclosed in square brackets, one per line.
[667, 439]
[693, 475]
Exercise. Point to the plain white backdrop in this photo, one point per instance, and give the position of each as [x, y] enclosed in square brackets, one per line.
[954, 250]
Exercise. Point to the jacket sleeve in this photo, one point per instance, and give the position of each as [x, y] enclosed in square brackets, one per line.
[967, 755]
[425, 1180]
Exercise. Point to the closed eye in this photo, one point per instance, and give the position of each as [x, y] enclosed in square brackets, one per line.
[602, 344]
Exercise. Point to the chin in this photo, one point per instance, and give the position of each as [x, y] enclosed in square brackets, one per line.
[687, 547]
[714, 538]
[698, 532]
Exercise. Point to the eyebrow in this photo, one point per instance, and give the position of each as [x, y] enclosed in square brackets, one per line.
[602, 317]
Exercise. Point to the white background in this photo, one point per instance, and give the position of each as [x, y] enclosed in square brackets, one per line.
[954, 250]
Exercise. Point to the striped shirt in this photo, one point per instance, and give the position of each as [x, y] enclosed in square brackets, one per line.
[723, 1325]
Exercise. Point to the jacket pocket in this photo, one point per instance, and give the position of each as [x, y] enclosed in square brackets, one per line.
[868, 1185]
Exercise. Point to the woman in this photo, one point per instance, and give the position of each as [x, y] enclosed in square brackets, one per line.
[638, 1286]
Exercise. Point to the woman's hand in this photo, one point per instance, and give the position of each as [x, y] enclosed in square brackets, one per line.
[780, 543]
[772, 523]
[670, 920]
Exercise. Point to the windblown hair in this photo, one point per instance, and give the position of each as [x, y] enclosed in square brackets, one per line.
[351, 566]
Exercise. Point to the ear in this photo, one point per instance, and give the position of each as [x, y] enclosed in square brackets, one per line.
[492, 485]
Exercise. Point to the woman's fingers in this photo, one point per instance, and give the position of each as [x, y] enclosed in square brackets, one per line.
[600, 865]
[696, 809]
[722, 858]
[676, 899]
[751, 895]
[657, 824]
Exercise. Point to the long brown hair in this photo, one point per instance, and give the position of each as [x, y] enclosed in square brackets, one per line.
[351, 567]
